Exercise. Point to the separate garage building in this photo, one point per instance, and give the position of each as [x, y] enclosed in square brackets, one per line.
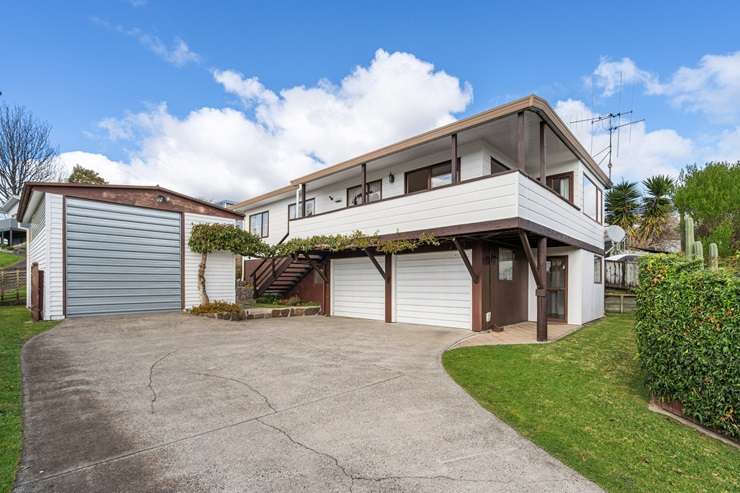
[109, 249]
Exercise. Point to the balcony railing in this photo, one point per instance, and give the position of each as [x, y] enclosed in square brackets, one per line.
[507, 195]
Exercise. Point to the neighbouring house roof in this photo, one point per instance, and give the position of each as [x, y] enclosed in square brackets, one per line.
[136, 195]
[9, 205]
[531, 103]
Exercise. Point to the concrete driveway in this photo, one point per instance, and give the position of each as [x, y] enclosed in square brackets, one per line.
[181, 403]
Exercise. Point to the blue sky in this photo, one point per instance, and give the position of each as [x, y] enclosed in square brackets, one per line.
[126, 85]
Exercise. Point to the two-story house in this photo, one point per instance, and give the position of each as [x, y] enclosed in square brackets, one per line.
[515, 199]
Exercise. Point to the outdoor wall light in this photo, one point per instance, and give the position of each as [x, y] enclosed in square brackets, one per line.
[391, 177]
[162, 199]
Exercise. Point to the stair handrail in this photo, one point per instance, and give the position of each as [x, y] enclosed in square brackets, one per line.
[264, 262]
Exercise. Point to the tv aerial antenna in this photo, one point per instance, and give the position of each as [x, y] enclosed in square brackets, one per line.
[613, 126]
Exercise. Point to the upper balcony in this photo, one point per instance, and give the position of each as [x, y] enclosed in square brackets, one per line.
[503, 201]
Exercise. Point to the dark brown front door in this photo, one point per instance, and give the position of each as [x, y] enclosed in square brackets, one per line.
[508, 285]
[557, 288]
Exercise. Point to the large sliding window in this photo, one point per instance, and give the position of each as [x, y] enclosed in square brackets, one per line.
[374, 193]
[593, 202]
[429, 177]
[310, 209]
[259, 224]
[562, 184]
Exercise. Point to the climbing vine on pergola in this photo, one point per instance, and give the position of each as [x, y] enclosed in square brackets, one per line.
[208, 238]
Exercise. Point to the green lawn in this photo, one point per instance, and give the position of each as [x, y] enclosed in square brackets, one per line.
[7, 258]
[15, 329]
[582, 400]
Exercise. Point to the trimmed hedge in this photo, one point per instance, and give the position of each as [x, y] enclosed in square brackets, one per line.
[688, 338]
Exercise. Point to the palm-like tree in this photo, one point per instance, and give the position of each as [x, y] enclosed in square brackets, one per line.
[623, 206]
[656, 207]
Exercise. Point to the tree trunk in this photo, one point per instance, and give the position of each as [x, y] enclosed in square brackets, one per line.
[202, 279]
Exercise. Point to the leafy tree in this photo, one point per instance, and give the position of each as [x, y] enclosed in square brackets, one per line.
[26, 153]
[623, 206]
[85, 175]
[207, 238]
[656, 207]
[711, 195]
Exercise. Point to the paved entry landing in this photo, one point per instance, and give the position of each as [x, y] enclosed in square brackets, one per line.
[181, 403]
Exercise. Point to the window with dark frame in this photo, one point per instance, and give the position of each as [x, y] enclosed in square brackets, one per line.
[505, 264]
[562, 184]
[429, 177]
[310, 209]
[497, 166]
[598, 270]
[259, 224]
[592, 200]
[374, 193]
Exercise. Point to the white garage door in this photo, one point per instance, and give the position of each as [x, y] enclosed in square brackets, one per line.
[357, 289]
[433, 289]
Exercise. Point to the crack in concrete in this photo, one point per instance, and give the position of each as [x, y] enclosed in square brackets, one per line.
[197, 435]
[356, 477]
[236, 380]
[151, 377]
[311, 449]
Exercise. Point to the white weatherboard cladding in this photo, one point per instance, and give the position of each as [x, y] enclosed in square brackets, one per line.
[54, 271]
[121, 259]
[37, 248]
[477, 201]
[433, 289]
[220, 266]
[357, 289]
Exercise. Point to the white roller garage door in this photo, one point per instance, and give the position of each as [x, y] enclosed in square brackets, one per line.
[357, 289]
[121, 259]
[433, 289]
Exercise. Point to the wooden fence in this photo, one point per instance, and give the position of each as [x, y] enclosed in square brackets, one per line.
[12, 287]
[622, 274]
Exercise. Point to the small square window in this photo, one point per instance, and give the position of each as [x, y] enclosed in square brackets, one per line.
[374, 193]
[505, 264]
[598, 270]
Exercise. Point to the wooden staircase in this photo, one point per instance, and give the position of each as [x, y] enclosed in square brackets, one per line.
[278, 276]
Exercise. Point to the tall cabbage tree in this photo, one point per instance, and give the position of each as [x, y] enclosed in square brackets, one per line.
[623, 206]
[656, 207]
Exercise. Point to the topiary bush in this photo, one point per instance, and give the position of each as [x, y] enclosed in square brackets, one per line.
[688, 338]
[216, 307]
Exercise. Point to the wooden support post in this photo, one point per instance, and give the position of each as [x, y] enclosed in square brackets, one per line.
[466, 260]
[453, 159]
[543, 159]
[303, 200]
[364, 183]
[372, 258]
[521, 149]
[388, 288]
[542, 290]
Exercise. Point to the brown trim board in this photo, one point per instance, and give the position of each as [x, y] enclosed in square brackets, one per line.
[388, 288]
[137, 196]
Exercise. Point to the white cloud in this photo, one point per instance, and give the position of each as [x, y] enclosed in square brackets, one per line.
[177, 53]
[609, 76]
[642, 153]
[226, 153]
[712, 87]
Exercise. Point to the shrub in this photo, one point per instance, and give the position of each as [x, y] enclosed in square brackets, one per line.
[688, 338]
[216, 307]
[267, 299]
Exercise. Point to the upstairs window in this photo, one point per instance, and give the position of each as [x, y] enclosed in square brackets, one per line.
[505, 264]
[259, 224]
[374, 193]
[429, 177]
[310, 209]
[593, 200]
[562, 184]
